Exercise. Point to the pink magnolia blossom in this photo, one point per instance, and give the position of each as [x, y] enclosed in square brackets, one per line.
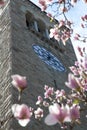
[74, 112]
[46, 87]
[85, 1]
[46, 104]
[39, 101]
[80, 51]
[59, 33]
[38, 113]
[64, 9]
[74, 70]
[84, 18]
[44, 8]
[76, 63]
[43, 4]
[60, 1]
[49, 15]
[73, 82]
[49, 92]
[85, 62]
[76, 37]
[57, 114]
[54, 33]
[73, 2]
[22, 113]
[2, 2]
[59, 94]
[82, 25]
[19, 82]
[61, 23]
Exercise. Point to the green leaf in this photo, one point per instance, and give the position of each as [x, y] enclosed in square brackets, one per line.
[76, 101]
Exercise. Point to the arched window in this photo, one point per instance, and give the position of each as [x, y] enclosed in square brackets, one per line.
[36, 24]
[31, 23]
[42, 28]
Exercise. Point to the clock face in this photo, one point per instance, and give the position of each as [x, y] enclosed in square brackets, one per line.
[48, 58]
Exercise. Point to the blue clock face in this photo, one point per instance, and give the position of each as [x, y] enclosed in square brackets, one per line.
[48, 58]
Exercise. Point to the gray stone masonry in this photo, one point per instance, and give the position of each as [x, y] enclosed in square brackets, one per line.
[18, 57]
[5, 66]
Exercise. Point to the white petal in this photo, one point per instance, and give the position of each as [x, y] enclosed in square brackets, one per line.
[51, 120]
[54, 109]
[14, 107]
[51, 35]
[67, 119]
[14, 83]
[23, 122]
[16, 110]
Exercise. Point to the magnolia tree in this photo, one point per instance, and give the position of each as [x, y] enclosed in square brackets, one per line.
[64, 29]
[65, 109]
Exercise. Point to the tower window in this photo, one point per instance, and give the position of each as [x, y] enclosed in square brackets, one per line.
[31, 23]
[42, 28]
[36, 24]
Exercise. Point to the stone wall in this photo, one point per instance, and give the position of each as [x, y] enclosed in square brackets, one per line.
[26, 62]
[5, 67]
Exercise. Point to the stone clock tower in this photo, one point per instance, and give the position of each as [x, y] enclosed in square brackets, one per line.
[25, 49]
